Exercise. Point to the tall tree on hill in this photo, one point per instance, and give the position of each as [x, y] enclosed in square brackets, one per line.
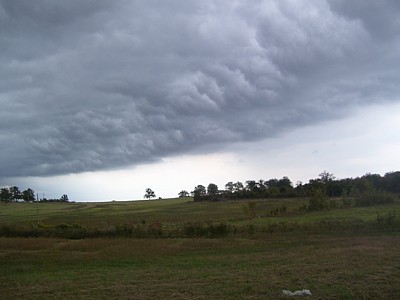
[326, 177]
[183, 194]
[238, 186]
[285, 186]
[251, 186]
[229, 187]
[212, 189]
[199, 191]
[5, 195]
[64, 198]
[28, 195]
[149, 193]
[15, 193]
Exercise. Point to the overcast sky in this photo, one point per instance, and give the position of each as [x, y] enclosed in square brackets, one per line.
[101, 99]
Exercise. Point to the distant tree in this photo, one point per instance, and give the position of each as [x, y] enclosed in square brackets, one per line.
[361, 186]
[392, 182]
[28, 195]
[251, 186]
[64, 198]
[149, 194]
[238, 186]
[326, 177]
[271, 183]
[15, 193]
[5, 195]
[183, 194]
[261, 185]
[199, 191]
[285, 186]
[229, 187]
[212, 189]
[375, 179]
[335, 188]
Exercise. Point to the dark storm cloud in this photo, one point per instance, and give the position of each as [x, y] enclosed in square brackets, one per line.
[90, 85]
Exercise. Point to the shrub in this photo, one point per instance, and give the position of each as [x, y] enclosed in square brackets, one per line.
[210, 230]
[317, 201]
[374, 198]
[278, 211]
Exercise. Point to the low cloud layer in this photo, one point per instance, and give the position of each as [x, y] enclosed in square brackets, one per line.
[93, 84]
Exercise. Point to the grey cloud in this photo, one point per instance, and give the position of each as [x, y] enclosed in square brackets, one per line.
[91, 85]
[379, 17]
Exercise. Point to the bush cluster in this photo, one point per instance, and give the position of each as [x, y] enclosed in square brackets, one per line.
[208, 230]
[384, 222]
[374, 198]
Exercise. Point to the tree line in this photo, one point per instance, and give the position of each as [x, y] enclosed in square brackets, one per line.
[326, 184]
[14, 194]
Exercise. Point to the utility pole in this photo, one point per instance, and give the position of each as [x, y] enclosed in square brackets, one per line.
[37, 208]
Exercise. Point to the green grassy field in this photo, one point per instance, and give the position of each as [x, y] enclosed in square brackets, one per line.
[363, 262]
[174, 211]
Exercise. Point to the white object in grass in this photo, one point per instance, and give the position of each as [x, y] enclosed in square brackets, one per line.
[297, 293]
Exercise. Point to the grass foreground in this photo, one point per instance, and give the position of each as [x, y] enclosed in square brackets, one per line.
[332, 264]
